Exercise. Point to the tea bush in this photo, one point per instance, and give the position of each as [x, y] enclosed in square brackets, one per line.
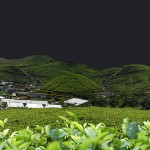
[75, 136]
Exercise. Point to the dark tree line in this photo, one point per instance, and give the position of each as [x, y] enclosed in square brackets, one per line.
[124, 99]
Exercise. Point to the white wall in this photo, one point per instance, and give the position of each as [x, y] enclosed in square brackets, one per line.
[54, 106]
[30, 103]
[15, 104]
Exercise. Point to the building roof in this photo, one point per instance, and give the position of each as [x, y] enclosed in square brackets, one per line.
[76, 101]
[53, 106]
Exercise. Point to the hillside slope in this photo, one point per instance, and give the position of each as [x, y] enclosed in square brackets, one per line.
[128, 77]
[44, 68]
[52, 70]
[14, 69]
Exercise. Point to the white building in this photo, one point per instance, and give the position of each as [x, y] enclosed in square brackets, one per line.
[16, 105]
[76, 101]
[34, 106]
[1, 97]
[28, 103]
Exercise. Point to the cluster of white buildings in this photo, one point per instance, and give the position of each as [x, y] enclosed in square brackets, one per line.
[27, 103]
[37, 104]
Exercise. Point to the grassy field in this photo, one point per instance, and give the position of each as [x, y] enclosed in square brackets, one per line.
[112, 117]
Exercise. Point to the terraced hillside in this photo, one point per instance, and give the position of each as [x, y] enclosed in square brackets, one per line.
[57, 68]
[13, 70]
[128, 77]
[41, 68]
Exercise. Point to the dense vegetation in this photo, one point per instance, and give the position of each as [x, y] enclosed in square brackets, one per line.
[112, 117]
[42, 68]
[129, 77]
[75, 136]
[130, 86]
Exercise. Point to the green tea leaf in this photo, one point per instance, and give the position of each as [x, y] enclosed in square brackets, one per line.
[53, 146]
[72, 115]
[132, 130]
[90, 132]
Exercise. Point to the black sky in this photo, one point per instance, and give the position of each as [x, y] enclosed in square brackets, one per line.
[100, 35]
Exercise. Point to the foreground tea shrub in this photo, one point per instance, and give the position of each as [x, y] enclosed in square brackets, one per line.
[74, 136]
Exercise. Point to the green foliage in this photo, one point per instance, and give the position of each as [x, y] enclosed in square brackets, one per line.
[130, 84]
[14, 69]
[57, 68]
[75, 136]
[13, 73]
[42, 68]
[128, 77]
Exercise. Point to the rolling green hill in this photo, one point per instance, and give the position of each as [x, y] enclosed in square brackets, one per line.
[14, 69]
[128, 77]
[45, 68]
[72, 83]
[130, 85]
[42, 68]
[56, 68]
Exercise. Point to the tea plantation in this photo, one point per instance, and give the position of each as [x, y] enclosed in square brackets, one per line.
[75, 132]
[112, 117]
